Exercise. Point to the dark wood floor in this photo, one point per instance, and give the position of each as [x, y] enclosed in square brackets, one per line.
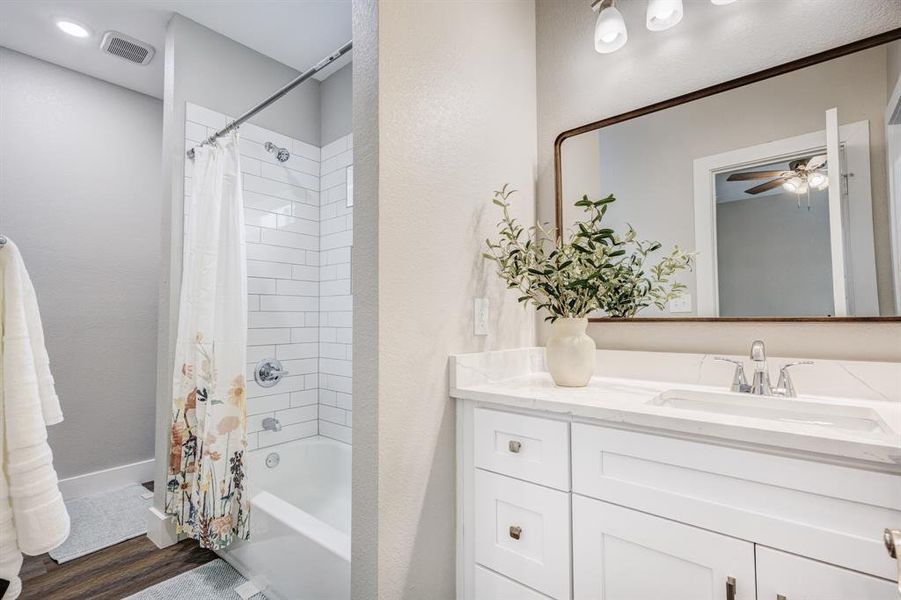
[110, 574]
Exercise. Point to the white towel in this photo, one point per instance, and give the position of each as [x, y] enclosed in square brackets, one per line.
[33, 517]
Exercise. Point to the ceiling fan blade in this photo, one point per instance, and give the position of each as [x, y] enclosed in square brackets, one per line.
[816, 162]
[754, 175]
[766, 186]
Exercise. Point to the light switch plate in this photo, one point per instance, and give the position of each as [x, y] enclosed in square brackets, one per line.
[480, 316]
[682, 304]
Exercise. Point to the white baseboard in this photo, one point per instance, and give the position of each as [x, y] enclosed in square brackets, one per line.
[161, 528]
[107, 479]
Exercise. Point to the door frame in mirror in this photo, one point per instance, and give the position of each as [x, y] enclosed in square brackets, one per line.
[813, 59]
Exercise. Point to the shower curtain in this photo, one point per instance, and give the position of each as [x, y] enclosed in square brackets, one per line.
[206, 488]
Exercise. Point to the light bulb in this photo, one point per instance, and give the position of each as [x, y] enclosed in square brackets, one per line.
[610, 31]
[803, 188]
[74, 29]
[663, 14]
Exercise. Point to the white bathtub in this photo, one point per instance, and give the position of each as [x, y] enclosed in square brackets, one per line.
[299, 546]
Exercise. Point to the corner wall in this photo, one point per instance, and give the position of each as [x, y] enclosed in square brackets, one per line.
[456, 118]
[576, 85]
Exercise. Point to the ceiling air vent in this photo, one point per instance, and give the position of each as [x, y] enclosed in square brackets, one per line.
[127, 47]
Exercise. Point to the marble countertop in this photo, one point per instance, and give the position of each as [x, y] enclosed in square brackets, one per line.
[629, 402]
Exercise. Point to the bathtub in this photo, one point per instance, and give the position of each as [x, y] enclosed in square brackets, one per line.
[299, 546]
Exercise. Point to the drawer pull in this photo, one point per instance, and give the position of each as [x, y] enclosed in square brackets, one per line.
[890, 537]
[514, 446]
[515, 531]
[730, 588]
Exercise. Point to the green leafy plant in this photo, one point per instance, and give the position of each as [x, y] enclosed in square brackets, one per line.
[593, 269]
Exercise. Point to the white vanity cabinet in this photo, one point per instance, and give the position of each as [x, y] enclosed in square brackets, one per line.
[550, 507]
[623, 554]
[781, 575]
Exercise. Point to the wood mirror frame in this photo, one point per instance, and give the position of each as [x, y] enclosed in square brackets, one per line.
[870, 42]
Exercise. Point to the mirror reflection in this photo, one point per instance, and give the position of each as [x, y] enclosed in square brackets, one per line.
[788, 190]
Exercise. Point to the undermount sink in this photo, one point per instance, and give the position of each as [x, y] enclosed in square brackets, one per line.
[788, 410]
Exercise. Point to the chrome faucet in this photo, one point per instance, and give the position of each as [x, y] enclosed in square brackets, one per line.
[760, 381]
[272, 424]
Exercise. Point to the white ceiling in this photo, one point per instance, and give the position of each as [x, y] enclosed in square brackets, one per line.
[298, 33]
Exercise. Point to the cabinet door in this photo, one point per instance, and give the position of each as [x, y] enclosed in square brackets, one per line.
[622, 554]
[781, 575]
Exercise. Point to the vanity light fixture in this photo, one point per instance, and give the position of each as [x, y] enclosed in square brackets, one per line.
[663, 14]
[72, 28]
[610, 29]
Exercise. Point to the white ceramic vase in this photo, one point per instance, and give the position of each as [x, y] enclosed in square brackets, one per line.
[570, 353]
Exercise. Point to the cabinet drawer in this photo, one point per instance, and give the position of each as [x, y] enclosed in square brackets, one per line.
[621, 554]
[528, 448]
[827, 512]
[522, 530]
[798, 578]
[491, 586]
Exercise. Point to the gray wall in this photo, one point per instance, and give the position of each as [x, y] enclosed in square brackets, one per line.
[772, 257]
[216, 72]
[576, 85]
[336, 98]
[79, 194]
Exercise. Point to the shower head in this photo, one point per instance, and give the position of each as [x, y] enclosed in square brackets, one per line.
[281, 154]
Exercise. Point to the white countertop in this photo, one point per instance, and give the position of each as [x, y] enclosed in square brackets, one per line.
[627, 402]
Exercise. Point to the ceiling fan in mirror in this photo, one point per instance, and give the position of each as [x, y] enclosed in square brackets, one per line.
[802, 175]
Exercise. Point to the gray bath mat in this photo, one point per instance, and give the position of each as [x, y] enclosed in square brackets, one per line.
[215, 580]
[102, 520]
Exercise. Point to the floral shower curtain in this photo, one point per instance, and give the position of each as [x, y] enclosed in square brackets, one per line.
[206, 489]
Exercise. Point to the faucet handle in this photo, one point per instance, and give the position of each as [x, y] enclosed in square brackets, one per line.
[786, 387]
[739, 380]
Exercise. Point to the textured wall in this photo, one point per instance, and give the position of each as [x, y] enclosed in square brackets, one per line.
[576, 85]
[456, 119]
[79, 194]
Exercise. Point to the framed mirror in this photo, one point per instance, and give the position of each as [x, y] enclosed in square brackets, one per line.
[786, 183]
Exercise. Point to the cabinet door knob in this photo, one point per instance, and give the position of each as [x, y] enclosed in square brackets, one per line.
[514, 446]
[515, 531]
[730, 588]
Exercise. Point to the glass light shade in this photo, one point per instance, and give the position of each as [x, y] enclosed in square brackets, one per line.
[722, 2]
[818, 180]
[793, 185]
[74, 29]
[663, 14]
[610, 31]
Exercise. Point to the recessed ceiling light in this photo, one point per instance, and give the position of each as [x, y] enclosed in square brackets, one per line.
[74, 29]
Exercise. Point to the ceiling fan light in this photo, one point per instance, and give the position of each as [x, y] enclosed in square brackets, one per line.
[610, 31]
[794, 184]
[663, 14]
[818, 180]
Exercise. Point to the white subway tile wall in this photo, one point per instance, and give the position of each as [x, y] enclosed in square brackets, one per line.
[335, 299]
[299, 234]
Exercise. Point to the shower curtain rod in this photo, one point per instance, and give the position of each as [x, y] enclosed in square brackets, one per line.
[281, 92]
